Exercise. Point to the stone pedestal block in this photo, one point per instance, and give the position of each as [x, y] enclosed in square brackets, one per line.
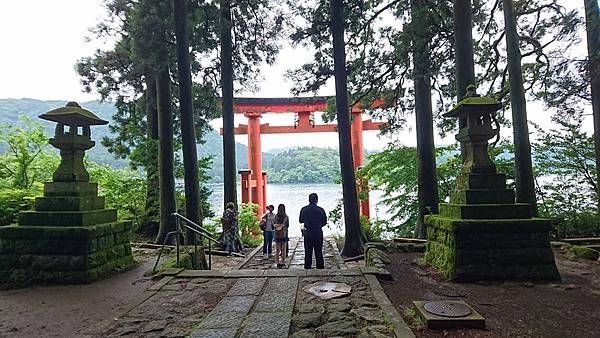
[69, 238]
[482, 234]
[63, 255]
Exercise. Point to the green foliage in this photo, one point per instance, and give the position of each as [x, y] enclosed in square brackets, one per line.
[14, 200]
[124, 189]
[372, 228]
[394, 171]
[380, 43]
[248, 221]
[566, 165]
[26, 159]
[304, 165]
[213, 226]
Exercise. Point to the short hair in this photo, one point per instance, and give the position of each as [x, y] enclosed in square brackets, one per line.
[230, 205]
[271, 207]
[313, 198]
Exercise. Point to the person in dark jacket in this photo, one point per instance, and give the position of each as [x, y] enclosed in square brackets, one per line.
[314, 218]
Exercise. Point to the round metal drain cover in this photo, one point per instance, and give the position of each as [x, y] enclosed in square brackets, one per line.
[447, 309]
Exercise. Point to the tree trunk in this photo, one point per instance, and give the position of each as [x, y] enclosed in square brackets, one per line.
[354, 237]
[592, 16]
[229, 166]
[463, 46]
[463, 53]
[193, 209]
[426, 166]
[150, 221]
[165, 153]
[525, 188]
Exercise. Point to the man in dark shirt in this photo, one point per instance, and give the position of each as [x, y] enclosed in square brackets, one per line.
[314, 218]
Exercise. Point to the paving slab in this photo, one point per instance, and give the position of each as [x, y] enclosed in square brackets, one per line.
[244, 273]
[267, 324]
[247, 286]
[286, 284]
[215, 333]
[276, 302]
[235, 303]
[201, 273]
[223, 319]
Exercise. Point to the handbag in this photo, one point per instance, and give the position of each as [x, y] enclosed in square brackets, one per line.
[262, 224]
[279, 230]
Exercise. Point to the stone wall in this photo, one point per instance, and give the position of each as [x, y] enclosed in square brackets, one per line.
[65, 255]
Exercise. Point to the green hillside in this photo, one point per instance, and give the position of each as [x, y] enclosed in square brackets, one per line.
[292, 165]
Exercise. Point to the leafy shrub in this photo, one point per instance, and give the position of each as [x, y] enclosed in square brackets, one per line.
[584, 224]
[249, 224]
[14, 200]
[372, 228]
[124, 189]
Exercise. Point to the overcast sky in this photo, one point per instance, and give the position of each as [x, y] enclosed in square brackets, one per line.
[41, 41]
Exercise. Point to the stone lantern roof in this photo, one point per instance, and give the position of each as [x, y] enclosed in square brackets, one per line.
[73, 114]
[475, 103]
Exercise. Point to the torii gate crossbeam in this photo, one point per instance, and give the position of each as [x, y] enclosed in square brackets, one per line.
[254, 180]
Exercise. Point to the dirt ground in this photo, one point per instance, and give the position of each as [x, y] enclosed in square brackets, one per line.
[511, 309]
[80, 311]
[72, 310]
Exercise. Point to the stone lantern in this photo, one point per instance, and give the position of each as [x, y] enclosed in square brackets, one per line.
[72, 142]
[70, 236]
[482, 234]
[478, 113]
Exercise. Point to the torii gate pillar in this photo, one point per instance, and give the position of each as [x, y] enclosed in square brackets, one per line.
[257, 189]
[356, 130]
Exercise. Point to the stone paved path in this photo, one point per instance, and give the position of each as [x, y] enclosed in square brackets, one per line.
[295, 258]
[254, 299]
[253, 308]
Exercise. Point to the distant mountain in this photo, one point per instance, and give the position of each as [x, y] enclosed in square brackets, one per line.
[285, 165]
[12, 109]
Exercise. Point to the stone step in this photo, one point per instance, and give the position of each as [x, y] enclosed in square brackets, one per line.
[483, 196]
[481, 181]
[76, 189]
[67, 218]
[583, 241]
[486, 211]
[69, 203]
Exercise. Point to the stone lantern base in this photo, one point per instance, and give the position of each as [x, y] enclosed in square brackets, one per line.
[69, 238]
[483, 235]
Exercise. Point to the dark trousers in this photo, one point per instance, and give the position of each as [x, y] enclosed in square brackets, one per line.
[313, 240]
[268, 242]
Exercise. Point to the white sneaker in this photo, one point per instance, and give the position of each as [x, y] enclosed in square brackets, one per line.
[265, 256]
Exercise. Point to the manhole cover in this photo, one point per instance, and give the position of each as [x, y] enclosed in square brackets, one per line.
[447, 309]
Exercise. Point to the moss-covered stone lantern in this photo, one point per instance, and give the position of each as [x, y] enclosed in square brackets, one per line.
[482, 233]
[478, 112]
[73, 137]
[70, 237]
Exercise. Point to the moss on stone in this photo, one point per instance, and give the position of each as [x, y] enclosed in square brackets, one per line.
[582, 252]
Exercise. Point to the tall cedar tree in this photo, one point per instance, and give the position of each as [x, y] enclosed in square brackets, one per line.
[166, 177]
[354, 237]
[166, 152]
[592, 15]
[427, 176]
[524, 183]
[229, 166]
[463, 47]
[193, 210]
[149, 224]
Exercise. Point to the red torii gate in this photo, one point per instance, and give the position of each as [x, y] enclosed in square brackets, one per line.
[254, 180]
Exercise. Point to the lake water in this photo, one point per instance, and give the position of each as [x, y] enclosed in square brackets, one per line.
[295, 196]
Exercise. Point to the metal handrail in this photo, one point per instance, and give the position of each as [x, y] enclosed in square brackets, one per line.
[197, 230]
